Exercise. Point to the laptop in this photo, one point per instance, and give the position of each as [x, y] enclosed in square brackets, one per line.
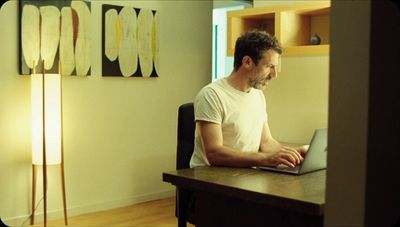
[315, 158]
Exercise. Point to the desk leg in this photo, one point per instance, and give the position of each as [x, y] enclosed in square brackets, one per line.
[182, 202]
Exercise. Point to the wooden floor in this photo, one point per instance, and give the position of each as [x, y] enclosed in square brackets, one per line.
[155, 213]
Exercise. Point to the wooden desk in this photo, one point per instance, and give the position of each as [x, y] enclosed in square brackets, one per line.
[251, 197]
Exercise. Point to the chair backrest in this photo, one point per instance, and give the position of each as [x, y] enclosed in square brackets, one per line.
[186, 128]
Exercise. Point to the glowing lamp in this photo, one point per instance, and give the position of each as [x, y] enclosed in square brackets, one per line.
[50, 114]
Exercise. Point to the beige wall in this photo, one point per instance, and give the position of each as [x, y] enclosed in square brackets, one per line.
[297, 101]
[119, 133]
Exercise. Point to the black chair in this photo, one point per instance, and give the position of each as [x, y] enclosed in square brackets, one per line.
[184, 209]
[186, 128]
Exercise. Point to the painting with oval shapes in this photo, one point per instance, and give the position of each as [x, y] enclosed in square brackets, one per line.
[130, 42]
[56, 36]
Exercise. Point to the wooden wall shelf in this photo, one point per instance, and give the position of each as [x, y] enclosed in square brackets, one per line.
[293, 24]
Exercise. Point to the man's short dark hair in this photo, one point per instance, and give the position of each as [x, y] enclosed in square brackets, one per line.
[254, 44]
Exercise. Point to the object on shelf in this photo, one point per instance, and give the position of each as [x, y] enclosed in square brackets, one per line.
[315, 39]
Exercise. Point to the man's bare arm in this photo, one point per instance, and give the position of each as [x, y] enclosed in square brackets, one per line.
[278, 153]
[218, 154]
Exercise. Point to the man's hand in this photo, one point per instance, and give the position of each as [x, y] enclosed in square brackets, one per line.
[285, 155]
[302, 150]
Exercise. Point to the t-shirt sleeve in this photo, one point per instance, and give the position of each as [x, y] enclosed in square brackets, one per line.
[207, 106]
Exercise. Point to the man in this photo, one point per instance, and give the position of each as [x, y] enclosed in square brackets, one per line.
[231, 119]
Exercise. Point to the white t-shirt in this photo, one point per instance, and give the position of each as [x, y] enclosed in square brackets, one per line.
[241, 116]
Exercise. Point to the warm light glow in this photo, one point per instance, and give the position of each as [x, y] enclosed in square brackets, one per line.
[52, 119]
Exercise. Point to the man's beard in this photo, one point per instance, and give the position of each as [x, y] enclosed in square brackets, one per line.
[258, 84]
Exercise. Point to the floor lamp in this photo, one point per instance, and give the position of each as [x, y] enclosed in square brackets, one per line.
[47, 133]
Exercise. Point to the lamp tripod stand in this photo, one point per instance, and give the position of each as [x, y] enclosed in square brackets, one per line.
[43, 144]
[34, 174]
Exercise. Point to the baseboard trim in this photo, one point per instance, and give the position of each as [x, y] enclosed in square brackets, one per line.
[88, 208]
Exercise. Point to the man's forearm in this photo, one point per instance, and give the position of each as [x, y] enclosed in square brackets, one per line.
[270, 146]
[226, 156]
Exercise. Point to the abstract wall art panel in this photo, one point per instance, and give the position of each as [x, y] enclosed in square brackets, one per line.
[56, 33]
[130, 42]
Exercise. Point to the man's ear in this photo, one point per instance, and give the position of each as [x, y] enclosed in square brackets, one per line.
[247, 62]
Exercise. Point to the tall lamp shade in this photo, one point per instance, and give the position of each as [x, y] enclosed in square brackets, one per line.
[52, 118]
